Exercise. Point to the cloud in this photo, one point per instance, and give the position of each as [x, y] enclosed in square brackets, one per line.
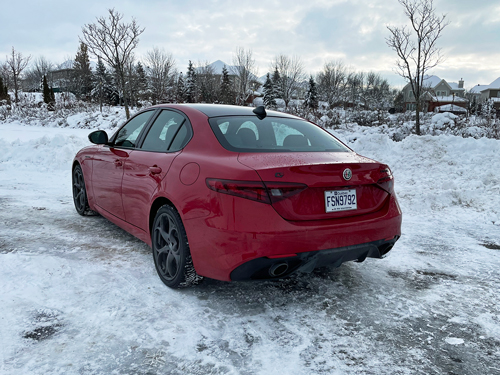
[318, 31]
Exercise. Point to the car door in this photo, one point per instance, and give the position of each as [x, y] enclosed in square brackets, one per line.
[147, 166]
[107, 171]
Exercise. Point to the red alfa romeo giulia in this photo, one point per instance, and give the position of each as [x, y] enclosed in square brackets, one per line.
[237, 193]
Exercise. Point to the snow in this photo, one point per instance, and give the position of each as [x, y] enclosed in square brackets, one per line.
[449, 98]
[495, 84]
[451, 107]
[81, 296]
[455, 86]
[431, 81]
[478, 88]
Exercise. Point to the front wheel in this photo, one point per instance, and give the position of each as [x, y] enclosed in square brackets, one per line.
[80, 193]
[171, 250]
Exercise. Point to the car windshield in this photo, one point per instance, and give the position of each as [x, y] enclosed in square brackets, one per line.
[273, 134]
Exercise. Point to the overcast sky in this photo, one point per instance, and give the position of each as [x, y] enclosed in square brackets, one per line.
[353, 31]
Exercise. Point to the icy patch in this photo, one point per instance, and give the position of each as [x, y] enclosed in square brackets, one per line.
[454, 341]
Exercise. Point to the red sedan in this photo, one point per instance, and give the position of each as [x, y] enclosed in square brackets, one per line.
[237, 193]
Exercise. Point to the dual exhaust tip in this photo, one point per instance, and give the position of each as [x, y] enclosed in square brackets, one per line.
[278, 269]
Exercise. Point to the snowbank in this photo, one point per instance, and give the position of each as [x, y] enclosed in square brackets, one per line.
[80, 296]
[435, 173]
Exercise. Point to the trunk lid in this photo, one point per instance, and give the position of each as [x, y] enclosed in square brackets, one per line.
[321, 172]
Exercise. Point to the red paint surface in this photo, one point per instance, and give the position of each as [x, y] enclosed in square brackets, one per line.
[225, 231]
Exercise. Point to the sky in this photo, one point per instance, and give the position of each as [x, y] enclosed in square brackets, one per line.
[317, 31]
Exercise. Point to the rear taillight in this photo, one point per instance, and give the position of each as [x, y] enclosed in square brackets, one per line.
[268, 192]
[386, 179]
[283, 190]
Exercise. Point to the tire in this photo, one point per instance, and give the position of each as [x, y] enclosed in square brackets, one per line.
[80, 193]
[171, 253]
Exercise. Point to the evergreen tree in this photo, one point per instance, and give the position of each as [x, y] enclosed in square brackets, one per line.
[104, 89]
[180, 90]
[399, 102]
[4, 95]
[82, 72]
[48, 95]
[312, 95]
[226, 95]
[269, 91]
[277, 84]
[142, 81]
[191, 87]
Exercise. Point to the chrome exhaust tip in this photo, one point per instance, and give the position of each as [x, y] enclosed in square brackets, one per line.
[278, 269]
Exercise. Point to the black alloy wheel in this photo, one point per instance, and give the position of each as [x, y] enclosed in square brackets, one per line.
[171, 250]
[79, 192]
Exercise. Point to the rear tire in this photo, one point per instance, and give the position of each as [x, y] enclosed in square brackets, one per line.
[171, 252]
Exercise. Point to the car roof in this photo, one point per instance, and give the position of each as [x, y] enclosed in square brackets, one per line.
[219, 110]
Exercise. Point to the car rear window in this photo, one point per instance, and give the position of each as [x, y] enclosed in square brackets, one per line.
[273, 134]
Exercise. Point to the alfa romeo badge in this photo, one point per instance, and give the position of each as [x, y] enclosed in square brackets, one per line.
[347, 174]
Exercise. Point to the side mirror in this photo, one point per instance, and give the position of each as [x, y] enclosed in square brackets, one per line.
[99, 137]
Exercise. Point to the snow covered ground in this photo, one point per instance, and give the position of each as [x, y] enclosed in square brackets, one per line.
[81, 296]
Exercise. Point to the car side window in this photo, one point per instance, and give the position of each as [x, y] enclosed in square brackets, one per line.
[128, 134]
[169, 132]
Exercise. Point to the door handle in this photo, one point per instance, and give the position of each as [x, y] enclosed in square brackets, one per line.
[155, 169]
[118, 163]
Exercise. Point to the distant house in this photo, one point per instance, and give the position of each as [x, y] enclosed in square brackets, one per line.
[61, 76]
[438, 92]
[482, 93]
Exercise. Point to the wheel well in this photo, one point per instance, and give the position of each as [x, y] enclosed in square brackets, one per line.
[159, 202]
[75, 163]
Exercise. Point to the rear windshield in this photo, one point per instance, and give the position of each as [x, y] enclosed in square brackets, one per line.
[273, 134]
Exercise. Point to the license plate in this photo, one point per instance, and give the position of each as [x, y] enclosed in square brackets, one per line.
[340, 200]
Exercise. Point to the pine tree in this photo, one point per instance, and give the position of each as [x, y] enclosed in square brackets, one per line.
[142, 82]
[103, 85]
[312, 95]
[269, 91]
[46, 90]
[82, 72]
[226, 95]
[4, 95]
[277, 85]
[48, 95]
[180, 90]
[191, 87]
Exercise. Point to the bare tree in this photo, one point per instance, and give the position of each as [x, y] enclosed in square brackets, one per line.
[160, 68]
[113, 41]
[376, 92]
[243, 68]
[416, 46]
[291, 71]
[355, 84]
[16, 63]
[332, 81]
[39, 68]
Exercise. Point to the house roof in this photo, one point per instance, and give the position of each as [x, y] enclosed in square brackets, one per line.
[433, 81]
[493, 85]
[454, 86]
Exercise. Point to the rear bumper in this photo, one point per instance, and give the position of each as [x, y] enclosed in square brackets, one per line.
[241, 238]
[269, 268]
